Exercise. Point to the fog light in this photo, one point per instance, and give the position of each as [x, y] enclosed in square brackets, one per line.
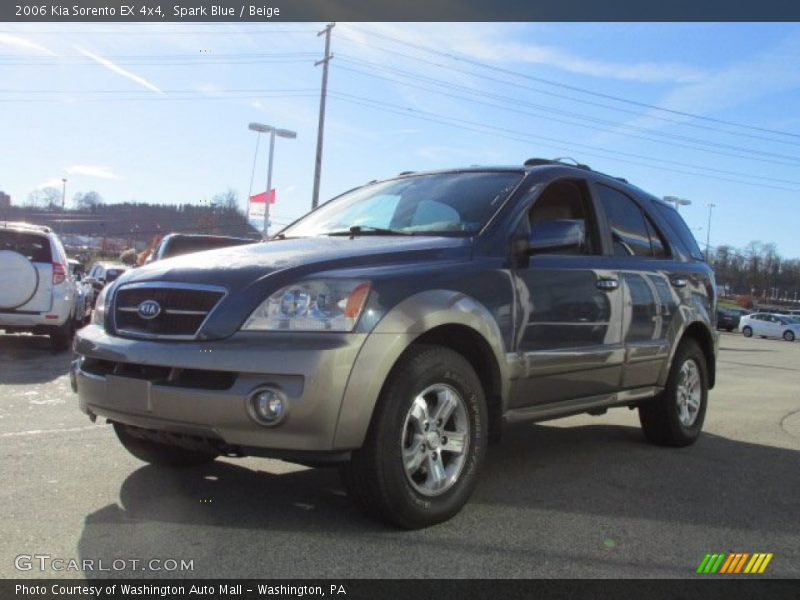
[268, 406]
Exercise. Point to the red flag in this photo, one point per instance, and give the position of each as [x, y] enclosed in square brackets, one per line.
[262, 197]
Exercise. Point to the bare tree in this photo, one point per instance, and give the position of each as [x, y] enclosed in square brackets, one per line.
[228, 200]
[88, 201]
[46, 197]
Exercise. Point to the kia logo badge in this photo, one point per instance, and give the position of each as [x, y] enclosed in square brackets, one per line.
[149, 309]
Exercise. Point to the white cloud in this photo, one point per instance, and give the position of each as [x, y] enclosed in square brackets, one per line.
[23, 43]
[54, 182]
[491, 43]
[119, 70]
[98, 171]
[766, 73]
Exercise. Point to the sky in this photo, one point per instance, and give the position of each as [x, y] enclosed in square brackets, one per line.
[159, 112]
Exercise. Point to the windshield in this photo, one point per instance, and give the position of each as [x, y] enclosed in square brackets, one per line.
[440, 204]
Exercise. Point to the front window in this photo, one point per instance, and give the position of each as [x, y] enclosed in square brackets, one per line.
[439, 204]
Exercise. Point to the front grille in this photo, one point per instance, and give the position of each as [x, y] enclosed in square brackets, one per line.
[167, 376]
[183, 309]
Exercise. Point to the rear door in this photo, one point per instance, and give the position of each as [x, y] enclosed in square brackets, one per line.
[649, 277]
[35, 248]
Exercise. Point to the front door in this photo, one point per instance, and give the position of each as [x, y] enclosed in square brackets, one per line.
[568, 321]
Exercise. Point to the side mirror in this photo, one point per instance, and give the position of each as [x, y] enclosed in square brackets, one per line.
[557, 235]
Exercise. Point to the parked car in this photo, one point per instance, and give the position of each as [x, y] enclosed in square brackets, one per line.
[176, 244]
[770, 325]
[85, 294]
[103, 273]
[37, 293]
[727, 319]
[393, 330]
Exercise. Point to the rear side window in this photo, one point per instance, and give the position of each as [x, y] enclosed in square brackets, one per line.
[678, 225]
[35, 248]
[632, 234]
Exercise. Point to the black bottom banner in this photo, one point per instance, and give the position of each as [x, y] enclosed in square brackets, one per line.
[406, 589]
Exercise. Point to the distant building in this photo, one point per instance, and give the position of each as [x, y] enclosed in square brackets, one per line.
[5, 200]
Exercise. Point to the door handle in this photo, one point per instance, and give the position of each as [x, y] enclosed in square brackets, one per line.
[679, 282]
[607, 284]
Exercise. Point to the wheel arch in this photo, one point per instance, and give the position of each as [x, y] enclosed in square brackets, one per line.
[444, 317]
[707, 341]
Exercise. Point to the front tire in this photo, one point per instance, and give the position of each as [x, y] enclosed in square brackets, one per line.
[426, 443]
[747, 332]
[160, 454]
[675, 418]
[788, 336]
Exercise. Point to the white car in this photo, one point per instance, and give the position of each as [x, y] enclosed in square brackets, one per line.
[85, 298]
[770, 325]
[37, 292]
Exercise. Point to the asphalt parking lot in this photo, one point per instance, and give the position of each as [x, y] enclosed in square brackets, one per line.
[578, 497]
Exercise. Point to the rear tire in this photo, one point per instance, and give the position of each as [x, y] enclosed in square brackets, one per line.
[747, 332]
[426, 443]
[788, 336]
[161, 454]
[675, 418]
[61, 337]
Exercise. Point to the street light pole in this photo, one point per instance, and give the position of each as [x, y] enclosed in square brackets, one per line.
[269, 183]
[677, 201]
[711, 205]
[273, 131]
[63, 193]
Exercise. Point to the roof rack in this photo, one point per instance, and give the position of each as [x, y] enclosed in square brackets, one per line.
[538, 162]
[28, 226]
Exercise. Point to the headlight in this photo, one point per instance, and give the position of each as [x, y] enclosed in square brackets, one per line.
[321, 305]
[99, 314]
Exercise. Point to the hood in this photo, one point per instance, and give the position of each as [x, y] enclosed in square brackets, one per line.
[250, 273]
[239, 266]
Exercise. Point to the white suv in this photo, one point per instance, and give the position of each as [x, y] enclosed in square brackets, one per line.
[37, 292]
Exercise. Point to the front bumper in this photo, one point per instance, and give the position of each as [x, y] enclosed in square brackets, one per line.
[201, 389]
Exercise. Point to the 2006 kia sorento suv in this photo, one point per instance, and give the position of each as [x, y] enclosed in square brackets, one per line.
[394, 329]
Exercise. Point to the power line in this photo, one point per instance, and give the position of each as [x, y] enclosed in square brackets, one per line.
[646, 135]
[526, 137]
[572, 98]
[574, 88]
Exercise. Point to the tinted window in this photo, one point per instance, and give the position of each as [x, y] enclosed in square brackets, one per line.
[628, 226]
[565, 201]
[680, 229]
[35, 248]
[656, 241]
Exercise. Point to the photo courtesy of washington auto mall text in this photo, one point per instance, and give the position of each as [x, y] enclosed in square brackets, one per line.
[381, 299]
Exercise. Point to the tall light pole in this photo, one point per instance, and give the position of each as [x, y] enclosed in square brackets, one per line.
[63, 193]
[284, 133]
[677, 201]
[711, 205]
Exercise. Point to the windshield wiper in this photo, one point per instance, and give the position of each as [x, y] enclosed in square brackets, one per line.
[368, 230]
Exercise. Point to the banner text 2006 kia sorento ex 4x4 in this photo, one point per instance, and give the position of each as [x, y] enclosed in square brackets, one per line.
[394, 329]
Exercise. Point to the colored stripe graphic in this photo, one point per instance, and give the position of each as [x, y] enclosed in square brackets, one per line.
[703, 563]
[734, 563]
[764, 564]
[727, 564]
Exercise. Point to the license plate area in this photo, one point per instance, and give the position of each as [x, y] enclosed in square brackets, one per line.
[127, 394]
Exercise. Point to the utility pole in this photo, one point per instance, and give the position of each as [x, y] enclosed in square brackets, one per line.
[321, 127]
